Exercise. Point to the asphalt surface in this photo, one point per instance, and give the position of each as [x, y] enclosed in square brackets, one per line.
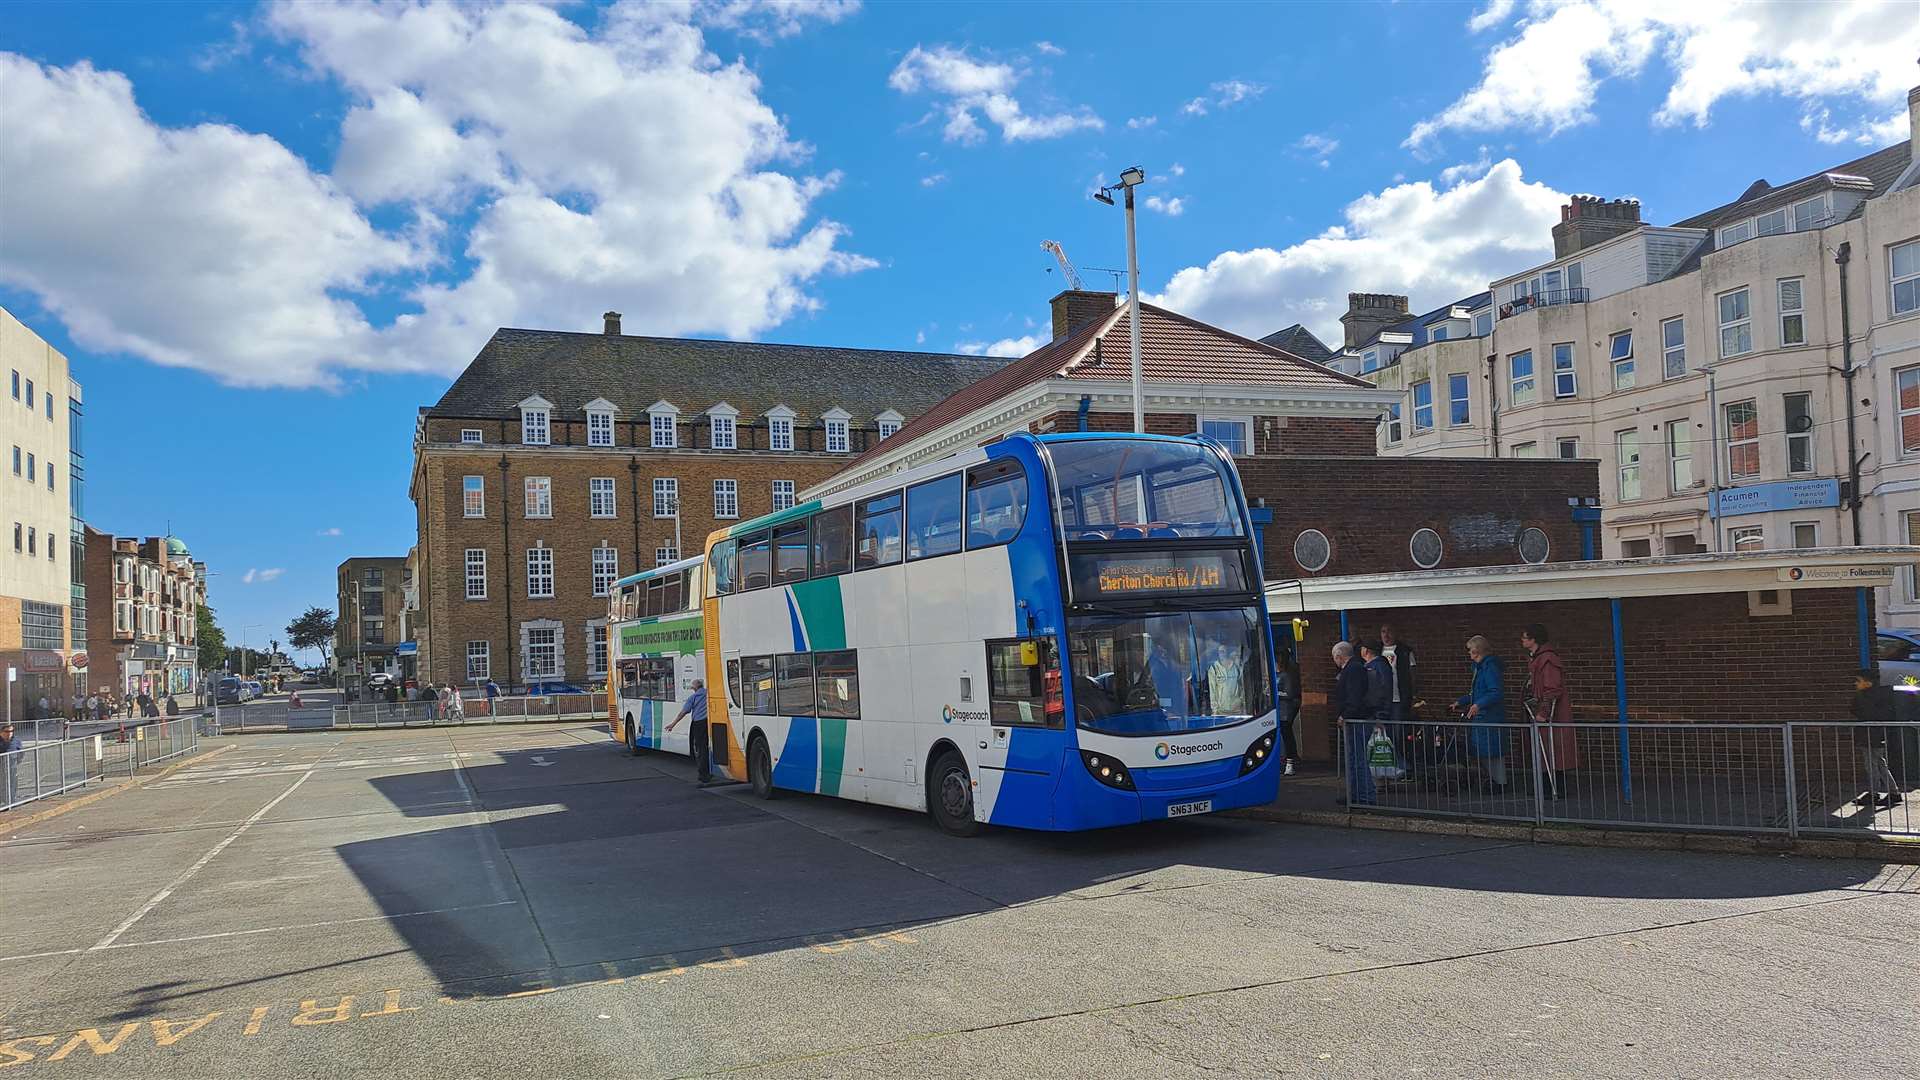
[488, 902]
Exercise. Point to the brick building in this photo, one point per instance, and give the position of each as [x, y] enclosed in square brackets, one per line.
[559, 461]
[370, 620]
[146, 596]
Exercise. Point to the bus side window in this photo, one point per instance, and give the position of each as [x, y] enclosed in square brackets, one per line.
[790, 553]
[723, 561]
[877, 531]
[758, 677]
[733, 682]
[933, 518]
[837, 676]
[755, 562]
[673, 593]
[996, 503]
[794, 676]
[833, 541]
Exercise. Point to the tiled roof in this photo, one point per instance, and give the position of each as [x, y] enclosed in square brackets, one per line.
[1880, 168]
[572, 369]
[1299, 341]
[1173, 348]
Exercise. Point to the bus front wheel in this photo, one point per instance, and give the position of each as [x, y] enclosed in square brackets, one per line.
[950, 796]
[760, 767]
[633, 744]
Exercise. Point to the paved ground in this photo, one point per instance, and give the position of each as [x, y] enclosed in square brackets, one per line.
[533, 902]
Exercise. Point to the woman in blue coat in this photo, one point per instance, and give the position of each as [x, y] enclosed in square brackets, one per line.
[1485, 705]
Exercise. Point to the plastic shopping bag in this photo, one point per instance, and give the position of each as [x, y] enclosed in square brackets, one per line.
[1381, 760]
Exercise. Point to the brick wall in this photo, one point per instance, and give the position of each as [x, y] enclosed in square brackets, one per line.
[1688, 658]
[1370, 510]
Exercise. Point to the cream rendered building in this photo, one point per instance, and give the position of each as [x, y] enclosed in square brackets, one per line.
[1703, 364]
[36, 563]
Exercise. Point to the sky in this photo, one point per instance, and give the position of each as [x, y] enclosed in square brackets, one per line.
[265, 235]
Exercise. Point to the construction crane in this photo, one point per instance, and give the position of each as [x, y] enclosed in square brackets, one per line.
[1066, 265]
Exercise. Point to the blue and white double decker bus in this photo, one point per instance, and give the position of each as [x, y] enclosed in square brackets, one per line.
[1049, 632]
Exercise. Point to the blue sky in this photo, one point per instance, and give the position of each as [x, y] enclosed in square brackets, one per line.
[265, 235]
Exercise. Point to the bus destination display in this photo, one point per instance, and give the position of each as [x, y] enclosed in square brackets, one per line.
[1133, 574]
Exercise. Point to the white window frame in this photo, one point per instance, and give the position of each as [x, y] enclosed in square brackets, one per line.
[1911, 280]
[603, 564]
[1793, 533]
[1742, 324]
[1813, 220]
[1679, 453]
[539, 496]
[886, 428]
[1246, 432]
[1740, 535]
[1799, 438]
[473, 498]
[1526, 451]
[1627, 472]
[536, 426]
[1394, 432]
[725, 435]
[780, 431]
[783, 495]
[1737, 233]
[551, 648]
[1902, 412]
[1561, 444]
[599, 647]
[1785, 216]
[1514, 380]
[666, 494]
[1466, 399]
[1621, 362]
[484, 654]
[476, 573]
[1798, 312]
[472, 436]
[839, 434]
[601, 499]
[726, 498]
[1413, 395]
[540, 572]
[663, 430]
[665, 555]
[1726, 421]
[1669, 352]
[1570, 370]
[599, 427]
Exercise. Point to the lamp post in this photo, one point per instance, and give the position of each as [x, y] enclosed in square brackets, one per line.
[1131, 178]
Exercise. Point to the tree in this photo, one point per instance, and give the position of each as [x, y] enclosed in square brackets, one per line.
[313, 630]
[212, 640]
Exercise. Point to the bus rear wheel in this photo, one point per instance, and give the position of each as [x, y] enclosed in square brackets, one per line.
[950, 795]
[760, 767]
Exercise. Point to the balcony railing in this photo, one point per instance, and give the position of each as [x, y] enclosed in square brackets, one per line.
[1545, 298]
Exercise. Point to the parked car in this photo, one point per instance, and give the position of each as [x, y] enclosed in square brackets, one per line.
[229, 691]
[379, 680]
[542, 689]
[1898, 652]
[254, 690]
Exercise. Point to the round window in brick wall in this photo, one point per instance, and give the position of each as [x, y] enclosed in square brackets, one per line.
[1425, 548]
[1532, 545]
[1312, 550]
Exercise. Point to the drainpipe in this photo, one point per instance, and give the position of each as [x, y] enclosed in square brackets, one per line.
[1086, 402]
[1493, 405]
[1847, 374]
[506, 560]
[633, 504]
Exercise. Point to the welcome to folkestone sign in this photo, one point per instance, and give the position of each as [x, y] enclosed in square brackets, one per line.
[669, 637]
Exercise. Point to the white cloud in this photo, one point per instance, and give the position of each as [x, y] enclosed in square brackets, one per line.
[262, 576]
[1019, 346]
[1545, 77]
[1177, 169]
[1868, 132]
[1465, 170]
[1139, 122]
[975, 88]
[934, 180]
[1234, 91]
[764, 19]
[1172, 207]
[1318, 147]
[1048, 48]
[1196, 107]
[218, 249]
[1434, 244]
[1492, 15]
[330, 531]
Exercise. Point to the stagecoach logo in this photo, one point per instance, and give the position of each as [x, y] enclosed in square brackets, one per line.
[950, 714]
[1167, 750]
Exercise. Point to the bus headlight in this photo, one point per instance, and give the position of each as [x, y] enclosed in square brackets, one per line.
[1257, 754]
[1108, 770]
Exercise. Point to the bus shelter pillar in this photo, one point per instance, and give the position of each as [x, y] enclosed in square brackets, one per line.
[1344, 635]
[1620, 699]
[1863, 615]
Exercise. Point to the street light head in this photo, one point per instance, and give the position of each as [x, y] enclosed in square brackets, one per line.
[1133, 177]
[1102, 196]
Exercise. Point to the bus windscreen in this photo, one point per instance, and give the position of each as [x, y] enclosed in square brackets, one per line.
[1128, 489]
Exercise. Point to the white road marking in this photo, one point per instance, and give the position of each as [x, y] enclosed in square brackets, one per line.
[161, 896]
[265, 930]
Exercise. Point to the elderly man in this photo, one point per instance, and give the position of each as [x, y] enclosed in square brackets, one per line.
[1350, 698]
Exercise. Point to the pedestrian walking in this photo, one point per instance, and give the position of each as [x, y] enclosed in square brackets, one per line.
[1350, 699]
[696, 707]
[1873, 706]
[1485, 705]
[1547, 697]
[456, 708]
[9, 762]
[493, 689]
[1289, 683]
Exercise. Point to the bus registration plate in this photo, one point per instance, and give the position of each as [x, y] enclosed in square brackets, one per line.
[1187, 809]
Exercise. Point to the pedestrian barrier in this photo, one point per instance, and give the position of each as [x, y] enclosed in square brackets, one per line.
[49, 768]
[474, 710]
[1790, 778]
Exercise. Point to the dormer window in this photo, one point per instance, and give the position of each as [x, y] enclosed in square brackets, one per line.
[779, 428]
[887, 423]
[662, 421]
[536, 421]
[838, 441]
[723, 427]
[600, 422]
[471, 436]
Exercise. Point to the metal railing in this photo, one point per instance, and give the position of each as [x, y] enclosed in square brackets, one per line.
[475, 710]
[1520, 305]
[49, 768]
[1791, 778]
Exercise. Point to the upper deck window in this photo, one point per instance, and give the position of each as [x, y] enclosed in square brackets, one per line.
[1133, 489]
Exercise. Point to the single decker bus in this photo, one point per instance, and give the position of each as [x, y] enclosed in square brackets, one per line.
[655, 636]
[1048, 632]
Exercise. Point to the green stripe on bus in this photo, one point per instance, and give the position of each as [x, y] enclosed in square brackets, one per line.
[822, 613]
[833, 754]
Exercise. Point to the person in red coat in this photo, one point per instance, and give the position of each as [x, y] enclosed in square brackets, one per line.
[1547, 690]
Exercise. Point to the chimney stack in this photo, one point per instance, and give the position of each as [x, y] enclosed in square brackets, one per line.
[1589, 219]
[1369, 313]
[1075, 308]
[613, 323]
[1913, 115]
